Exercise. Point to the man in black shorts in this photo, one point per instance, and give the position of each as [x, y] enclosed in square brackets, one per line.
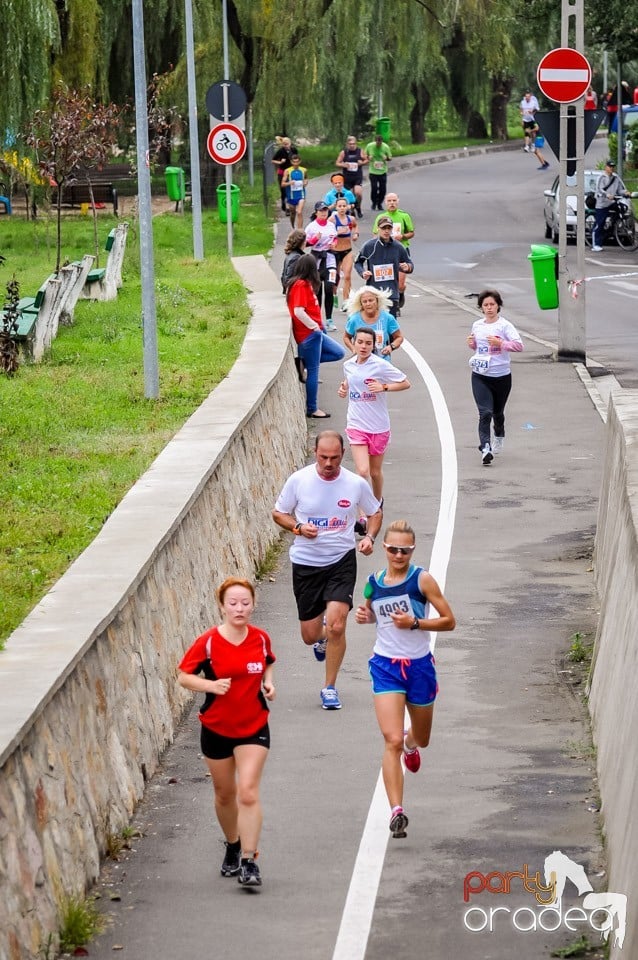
[352, 160]
[320, 504]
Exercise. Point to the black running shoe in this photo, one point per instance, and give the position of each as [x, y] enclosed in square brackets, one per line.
[401, 299]
[230, 866]
[249, 875]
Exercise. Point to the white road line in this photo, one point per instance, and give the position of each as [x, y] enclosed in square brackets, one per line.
[358, 911]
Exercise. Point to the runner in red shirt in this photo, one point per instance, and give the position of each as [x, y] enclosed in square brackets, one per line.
[235, 661]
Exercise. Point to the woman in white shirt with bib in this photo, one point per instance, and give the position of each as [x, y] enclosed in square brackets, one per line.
[492, 340]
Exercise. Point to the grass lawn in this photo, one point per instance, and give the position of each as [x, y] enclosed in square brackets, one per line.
[76, 431]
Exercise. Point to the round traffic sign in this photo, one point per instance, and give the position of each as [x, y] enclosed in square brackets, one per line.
[235, 100]
[564, 75]
[226, 143]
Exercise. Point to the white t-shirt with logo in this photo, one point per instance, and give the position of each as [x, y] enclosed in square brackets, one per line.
[368, 411]
[491, 361]
[332, 505]
[528, 108]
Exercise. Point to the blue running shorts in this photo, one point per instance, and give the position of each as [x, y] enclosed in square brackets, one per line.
[415, 679]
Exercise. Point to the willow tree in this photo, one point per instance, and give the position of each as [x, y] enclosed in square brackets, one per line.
[30, 35]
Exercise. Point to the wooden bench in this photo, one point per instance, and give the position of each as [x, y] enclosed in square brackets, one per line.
[98, 273]
[28, 309]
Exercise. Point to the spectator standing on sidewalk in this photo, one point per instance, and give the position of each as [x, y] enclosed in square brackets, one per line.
[378, 153]
[236, 661]
[492, 339]
[319, 504]
[313, 345]
[528, 107]
[401, 599]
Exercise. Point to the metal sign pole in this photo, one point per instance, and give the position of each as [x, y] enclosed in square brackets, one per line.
[229, 215]
[196, 195]
[149, 318]
[572, 343]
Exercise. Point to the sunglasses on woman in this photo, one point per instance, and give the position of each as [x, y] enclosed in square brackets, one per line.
[404, 551]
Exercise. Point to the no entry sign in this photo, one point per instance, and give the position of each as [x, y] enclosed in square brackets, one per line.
[564, 75]
[226, 143]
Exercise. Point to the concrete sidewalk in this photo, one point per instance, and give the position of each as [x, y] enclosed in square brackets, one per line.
[509, 776]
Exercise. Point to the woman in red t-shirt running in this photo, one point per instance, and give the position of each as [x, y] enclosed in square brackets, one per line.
[236, 661]
[313, 345]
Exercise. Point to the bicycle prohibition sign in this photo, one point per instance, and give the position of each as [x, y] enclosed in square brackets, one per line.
[226, 143]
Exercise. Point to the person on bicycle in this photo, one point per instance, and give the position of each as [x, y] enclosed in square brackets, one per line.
[608, 189]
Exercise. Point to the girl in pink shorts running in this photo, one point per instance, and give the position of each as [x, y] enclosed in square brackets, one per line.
[368, 379]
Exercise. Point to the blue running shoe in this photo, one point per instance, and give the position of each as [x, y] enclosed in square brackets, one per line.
[330, 699]
[319, 649]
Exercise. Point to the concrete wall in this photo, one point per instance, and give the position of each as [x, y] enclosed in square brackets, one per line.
[88, 696]
[614, 682]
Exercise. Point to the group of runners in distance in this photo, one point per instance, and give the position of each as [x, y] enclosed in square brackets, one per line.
[326, 507]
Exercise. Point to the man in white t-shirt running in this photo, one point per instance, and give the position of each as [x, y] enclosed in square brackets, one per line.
[320, 504]
[528, 107]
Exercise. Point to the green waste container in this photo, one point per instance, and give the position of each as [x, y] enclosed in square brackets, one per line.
[234, 203]
[175, 183]
[544, 260]
[382, 128]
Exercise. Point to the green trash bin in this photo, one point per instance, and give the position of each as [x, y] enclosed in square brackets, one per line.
[544, 260]
[175, 183]
[234, 203]
[382, 128]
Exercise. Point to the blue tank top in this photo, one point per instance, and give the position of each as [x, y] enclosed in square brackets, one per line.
[404, 597]
[338, 223]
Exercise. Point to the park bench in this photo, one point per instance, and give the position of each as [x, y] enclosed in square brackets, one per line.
[104, 183]
[39, 317]
[102, 283]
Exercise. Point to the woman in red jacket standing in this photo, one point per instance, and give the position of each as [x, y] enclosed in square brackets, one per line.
[235, 661]
[314, 346]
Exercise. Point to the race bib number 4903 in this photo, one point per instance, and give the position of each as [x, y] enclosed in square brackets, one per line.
[385, 608]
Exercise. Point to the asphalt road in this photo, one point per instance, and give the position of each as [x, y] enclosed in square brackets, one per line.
[476, 219]
[509, 776]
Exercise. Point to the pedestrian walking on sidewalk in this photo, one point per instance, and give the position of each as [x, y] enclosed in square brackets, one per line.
[492, 340]
[235, 661]
[402, 667]
[320, 504]
[367, 381]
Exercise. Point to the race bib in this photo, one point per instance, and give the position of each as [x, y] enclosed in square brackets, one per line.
[378, 164]
[480, 362]
[296, 185]
[379, 338]
[396, 231]
[384, 608]
[353, 167]
[382, 272]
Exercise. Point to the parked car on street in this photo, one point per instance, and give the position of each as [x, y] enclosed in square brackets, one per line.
[552, 206]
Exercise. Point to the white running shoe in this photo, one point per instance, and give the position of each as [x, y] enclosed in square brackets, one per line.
[596, 249]
[497, 444]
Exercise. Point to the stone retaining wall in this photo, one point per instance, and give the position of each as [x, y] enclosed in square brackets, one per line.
[88, 693]
[614, 680]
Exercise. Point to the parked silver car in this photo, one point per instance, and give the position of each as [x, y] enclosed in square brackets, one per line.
[552, 203]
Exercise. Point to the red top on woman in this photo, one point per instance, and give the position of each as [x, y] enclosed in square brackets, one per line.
[243, 710]
[301, 294]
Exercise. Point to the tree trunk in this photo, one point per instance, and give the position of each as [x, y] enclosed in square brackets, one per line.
[456, 55]
[501, 94]
[419, 110]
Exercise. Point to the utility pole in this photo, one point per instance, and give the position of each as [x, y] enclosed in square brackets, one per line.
[147, 269]
[572, 338]
[196, 193]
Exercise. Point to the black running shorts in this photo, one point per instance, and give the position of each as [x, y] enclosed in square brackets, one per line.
[314, 587]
